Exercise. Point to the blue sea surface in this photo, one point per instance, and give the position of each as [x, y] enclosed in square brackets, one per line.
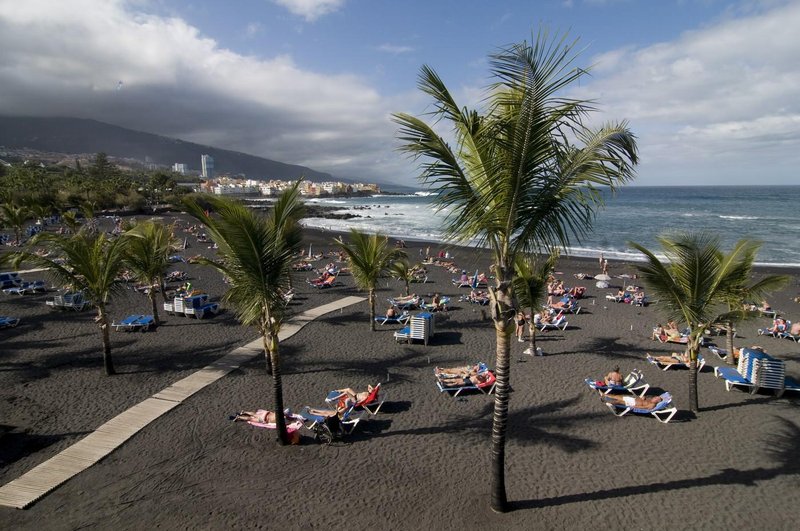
[770, 214]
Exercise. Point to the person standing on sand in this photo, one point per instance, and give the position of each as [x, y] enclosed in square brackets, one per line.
[605, 267]
[601, 260]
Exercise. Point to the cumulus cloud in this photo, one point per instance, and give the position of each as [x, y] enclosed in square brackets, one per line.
[67, 60]
[723, 94]
[395, 49]
[310, 9]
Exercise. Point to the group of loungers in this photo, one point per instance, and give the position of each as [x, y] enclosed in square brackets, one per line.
[634, 399]
[344, 409]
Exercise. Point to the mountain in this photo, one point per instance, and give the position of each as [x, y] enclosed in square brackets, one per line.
[81, 136]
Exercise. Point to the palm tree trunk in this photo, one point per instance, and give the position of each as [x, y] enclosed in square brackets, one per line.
[371, 297]
[532, 330]
[277, 387]
[408, 288]
[693, 402]
[730, 359]
[267, 358]
[501, 309]
[108, 364]
[154, 306]
[163, 287]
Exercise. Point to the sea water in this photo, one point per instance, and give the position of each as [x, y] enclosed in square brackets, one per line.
[769, 214]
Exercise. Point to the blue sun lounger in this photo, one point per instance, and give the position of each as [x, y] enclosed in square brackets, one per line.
[135, 322]
[661, 412]
[633, 383]
[8, 322]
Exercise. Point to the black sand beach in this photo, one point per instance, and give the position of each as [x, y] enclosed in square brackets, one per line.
[423, 461]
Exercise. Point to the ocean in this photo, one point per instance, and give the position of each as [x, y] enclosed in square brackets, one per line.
[770, 214]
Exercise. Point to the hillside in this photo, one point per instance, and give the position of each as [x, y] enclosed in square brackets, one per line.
[79, 136]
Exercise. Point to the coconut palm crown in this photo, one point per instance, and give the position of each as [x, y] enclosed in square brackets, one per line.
[255, 255]
[697, 283]
[370, 257]
[523, 175]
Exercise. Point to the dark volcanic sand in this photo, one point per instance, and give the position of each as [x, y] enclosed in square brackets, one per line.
[424, 460]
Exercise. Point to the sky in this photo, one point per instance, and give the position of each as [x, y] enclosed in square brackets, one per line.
[709, 87]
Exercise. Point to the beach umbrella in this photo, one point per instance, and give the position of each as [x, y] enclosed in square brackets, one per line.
[475, 280]
[602, 276]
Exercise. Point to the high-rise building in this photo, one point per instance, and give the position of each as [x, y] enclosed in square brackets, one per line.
[180, 167]
[207, 162]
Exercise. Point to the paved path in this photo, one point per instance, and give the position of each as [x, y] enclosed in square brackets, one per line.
[40, 480]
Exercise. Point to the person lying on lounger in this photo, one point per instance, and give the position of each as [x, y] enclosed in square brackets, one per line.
[675, 357]
[262, 416]
[475, 379]
[647, 402]
[349, 397]
[391, 313]
[659, 333]
[456, 372]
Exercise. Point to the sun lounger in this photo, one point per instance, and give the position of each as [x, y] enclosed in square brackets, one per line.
[405, 303]
[661, 412]
[327, 428]
[634, 383]
[559, 323]
[486, 385]
[69, 301]
[755, 370]
[8, 322]
[372, 403]
[135, 322]
[701, 362]
[397, 319]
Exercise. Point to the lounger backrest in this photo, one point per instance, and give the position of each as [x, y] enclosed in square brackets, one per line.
[372, 396]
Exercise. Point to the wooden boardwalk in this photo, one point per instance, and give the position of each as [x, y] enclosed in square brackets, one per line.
[23, 491]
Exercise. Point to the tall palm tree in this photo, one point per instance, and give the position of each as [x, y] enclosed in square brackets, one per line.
[370, 257]
[91, 264]
[15, 217]
[697, 283]
[147, 256]
[530, 285]
[255, 254]
[523, 177]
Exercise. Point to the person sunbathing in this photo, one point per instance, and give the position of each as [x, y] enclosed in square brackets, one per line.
[405, 298]
[778, 325]
[261, 416]
[350, 397]
[648, 402]
[673, 358]
[614, 377]
[659, 333]
[475, 379]
[456, 372]
[391, 313]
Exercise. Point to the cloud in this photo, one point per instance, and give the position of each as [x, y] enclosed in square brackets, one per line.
[67, 60]
[726, 93]
[310, 9]
[253, 29]
[395, 49]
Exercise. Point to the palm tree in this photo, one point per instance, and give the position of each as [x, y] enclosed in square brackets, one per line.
[91, 264]
[401, 270]
[15, 217]
[370, 257]
[147, 256]
[523, 178]
[255, 254]
[697, 284]
[530, 285]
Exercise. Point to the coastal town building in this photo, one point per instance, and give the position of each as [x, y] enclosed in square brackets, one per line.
[180, 167]
[207, 165]
[231, 186]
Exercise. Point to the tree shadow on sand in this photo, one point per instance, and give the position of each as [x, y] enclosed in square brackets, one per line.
[535, 425]
[783, 447]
